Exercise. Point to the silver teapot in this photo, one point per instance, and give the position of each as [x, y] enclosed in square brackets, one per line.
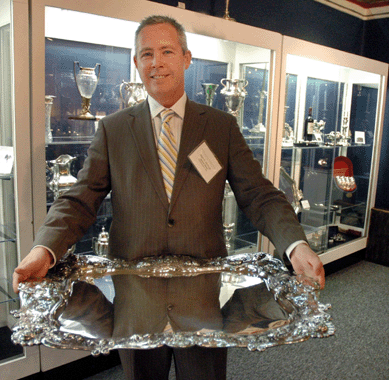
[62, 180]
[100, 244]
[132, 93]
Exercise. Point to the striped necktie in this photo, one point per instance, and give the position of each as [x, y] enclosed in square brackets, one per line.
[167, 152]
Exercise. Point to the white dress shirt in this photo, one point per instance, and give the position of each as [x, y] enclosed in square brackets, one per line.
[175, 123]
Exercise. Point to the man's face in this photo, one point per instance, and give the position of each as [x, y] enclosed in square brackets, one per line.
[161, 63]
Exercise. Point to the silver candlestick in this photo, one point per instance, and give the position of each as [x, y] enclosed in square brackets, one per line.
[228, 215]
[227, 13]
[48, 104]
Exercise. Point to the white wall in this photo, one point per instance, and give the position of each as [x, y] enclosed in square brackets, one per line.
[5, 14]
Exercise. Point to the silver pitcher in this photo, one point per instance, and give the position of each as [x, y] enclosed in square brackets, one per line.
[234, 93]
[62, 179]
[100, 244]
[134, 93]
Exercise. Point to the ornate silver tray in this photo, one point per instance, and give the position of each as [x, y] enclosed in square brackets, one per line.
[258, 304]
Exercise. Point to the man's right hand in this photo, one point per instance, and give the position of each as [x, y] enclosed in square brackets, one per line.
[34, 266]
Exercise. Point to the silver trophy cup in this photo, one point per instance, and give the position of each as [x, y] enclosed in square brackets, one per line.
[234, 93]
[86, 81]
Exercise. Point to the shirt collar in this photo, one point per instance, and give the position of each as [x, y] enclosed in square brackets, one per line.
[178, 107]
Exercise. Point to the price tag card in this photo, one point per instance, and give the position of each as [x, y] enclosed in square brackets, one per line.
[6, 160]
[305, 204]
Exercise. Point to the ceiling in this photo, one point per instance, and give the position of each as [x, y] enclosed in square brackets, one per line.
[364, 9]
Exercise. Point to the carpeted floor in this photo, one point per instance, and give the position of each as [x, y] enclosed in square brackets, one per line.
[359, 295]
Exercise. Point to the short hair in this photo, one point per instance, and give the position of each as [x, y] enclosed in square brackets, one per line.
[157, 19]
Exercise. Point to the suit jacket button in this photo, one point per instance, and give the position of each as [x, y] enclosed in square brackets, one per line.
[170, 307]
[170, 222]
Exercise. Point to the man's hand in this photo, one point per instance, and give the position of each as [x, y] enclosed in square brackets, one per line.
[34, 265]
[307, 262]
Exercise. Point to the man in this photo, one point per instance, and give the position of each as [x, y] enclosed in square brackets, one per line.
[151, 218]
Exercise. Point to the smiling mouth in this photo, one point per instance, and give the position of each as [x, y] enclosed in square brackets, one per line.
[158, 76]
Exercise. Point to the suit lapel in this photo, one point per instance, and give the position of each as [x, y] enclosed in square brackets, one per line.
[143, 133]
[192, 134]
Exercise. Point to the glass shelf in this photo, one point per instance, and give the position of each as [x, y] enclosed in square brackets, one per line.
[6, 177]
[71, 141]
[6, 292]
[325, 146]
[7, 234]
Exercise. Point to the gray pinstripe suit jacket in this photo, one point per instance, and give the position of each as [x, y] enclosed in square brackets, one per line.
[123, 158]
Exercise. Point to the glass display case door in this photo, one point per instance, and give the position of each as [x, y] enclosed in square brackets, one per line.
[226, 73]
[329, 142]
[15, 180]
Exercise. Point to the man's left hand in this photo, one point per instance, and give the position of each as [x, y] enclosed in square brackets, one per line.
[308, 263]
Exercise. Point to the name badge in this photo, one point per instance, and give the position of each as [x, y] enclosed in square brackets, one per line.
[205, 162]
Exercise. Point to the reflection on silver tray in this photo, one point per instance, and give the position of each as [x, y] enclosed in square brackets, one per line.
[259, 304]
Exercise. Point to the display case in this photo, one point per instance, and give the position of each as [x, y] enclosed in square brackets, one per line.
[329, 140]
[325, 174]
[15, 190]
[225, 73]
